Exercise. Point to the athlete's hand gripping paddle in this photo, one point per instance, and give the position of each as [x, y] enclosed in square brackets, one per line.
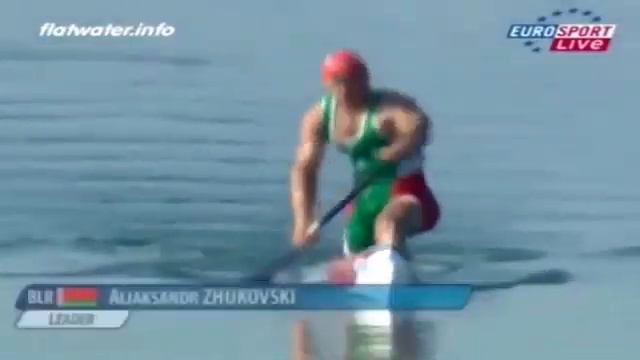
[266, 273]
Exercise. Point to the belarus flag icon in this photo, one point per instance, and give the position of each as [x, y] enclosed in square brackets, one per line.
[77, 297]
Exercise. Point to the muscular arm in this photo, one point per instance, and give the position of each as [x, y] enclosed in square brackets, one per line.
[408, 128]
[304, 172]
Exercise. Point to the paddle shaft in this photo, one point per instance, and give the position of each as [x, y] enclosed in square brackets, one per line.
[282, 262]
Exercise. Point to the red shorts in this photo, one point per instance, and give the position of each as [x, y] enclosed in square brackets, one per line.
[416, 185]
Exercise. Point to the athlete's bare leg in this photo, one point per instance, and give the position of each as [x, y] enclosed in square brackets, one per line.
[401, 218]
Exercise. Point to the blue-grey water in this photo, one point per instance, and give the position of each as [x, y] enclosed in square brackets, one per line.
[167, 159]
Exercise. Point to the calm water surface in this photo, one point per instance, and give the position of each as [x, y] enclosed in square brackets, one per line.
[167, 159]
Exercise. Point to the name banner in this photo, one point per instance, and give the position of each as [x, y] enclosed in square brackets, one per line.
[242, 297]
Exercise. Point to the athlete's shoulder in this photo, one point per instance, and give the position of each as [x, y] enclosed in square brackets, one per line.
[391, 98]
[314, 113]
[398, 106]
[314, 121]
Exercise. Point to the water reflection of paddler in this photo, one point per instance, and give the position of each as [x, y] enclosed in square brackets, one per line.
[336, 336]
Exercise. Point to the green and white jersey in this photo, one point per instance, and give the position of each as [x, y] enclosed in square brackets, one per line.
[362, 148]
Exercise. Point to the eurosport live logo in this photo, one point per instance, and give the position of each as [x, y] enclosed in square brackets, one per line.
[574, 30]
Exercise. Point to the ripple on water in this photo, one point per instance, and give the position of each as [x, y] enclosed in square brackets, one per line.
[51, 55]
[632, 251]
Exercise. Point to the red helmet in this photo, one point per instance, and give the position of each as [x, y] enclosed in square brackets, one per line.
[344, 64]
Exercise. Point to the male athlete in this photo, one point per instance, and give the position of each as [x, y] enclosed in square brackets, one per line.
[384, 133]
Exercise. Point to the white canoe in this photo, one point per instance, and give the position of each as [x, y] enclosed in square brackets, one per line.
[379, 266]
[382, 266]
